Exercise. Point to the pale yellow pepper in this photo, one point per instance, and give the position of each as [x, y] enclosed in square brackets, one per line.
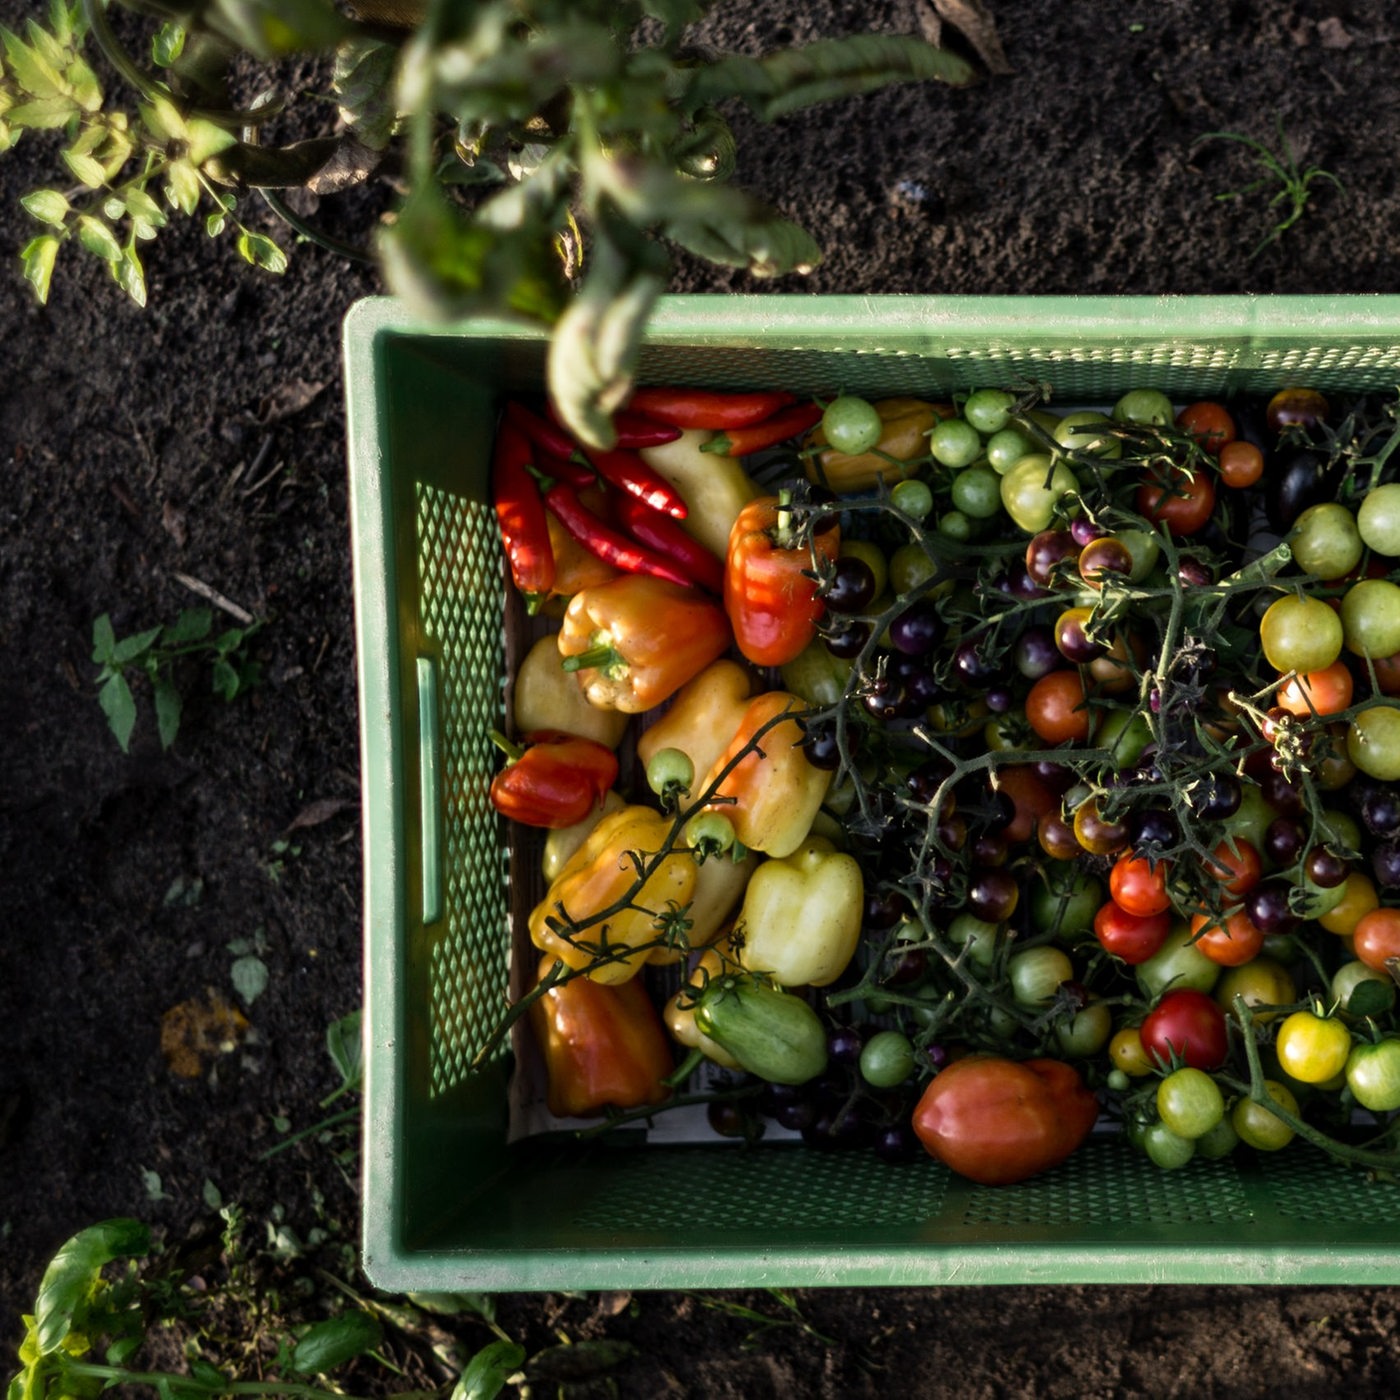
[714, 488]
[720, 883]
[546, 696]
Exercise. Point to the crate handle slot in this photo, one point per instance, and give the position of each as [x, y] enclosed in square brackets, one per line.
[430, 787]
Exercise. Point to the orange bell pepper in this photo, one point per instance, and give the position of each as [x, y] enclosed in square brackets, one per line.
[771, 602]
[603, 1047]
[635, 641]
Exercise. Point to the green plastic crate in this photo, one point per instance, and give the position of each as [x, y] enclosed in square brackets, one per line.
[448, 1203]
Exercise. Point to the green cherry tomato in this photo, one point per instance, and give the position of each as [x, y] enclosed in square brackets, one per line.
[955, 525]
[1083, 432]
[913, 497]
[976, 492]
[710, 834]
[1259, 1127]
[1006, 448]
[1037, 973]
[1176, 965]
[1373, 1075]
[1165, 1148]
[1373, 742]
[1034, 487]
[1219, 1142]
[1148, 407]
[670, 773]
[1086, 1032]
[1378, 519]
[1300, 634]
[851, 425]
[1312, 1049]
[887, 1059]
[1325, 541]
[1351, 975]
[980, 935]
[1371, 618]
[955, 442]
[910, 567]
[1066, 901]
[1190, 1103]
[989, 410]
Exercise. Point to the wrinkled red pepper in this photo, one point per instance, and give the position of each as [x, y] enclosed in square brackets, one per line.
[771, 603]
[520, 513]
[706, 408]
[555, 781]
[739, 442]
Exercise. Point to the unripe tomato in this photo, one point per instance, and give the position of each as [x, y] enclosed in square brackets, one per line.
[1035, 488]
[1258, 1126]
[1373, 1075]
[1190, 1103]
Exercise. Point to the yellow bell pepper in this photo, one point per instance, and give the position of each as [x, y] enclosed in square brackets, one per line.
[719, 886]
[561, 842]
[547, 697]
[801, 919]
[775, 792]
[702, 718]
[904, 437]
[595, 878]
[714, 488]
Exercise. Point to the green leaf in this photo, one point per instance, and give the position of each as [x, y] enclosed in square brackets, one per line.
[363, 82]
[1371, 998]
[48, 206]
[345, 1042]
[46, 45]
[37, 259]
[455, 1304]
[326, 1345]
[226, 682]
[675, 14]
[167, 44]
[214, 224]
[61, 16]
[87, 91]
[87, 168]
[98, 238]
[250, 976]
[261, 251]
[208, 139]
[104, 639]
[162, 119]
[182, 186]
[129, 648]
[488, 1371]
[578, 1361]
[120, 708]
[276, 28]
[73, 1271]
[43, 114]
[168, 709]
[30, 69]
[141, 206]
[192, 625]
[822, 71]
[206, 1374]
[131, 276]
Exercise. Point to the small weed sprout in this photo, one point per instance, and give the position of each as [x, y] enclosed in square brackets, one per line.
[1280, 168]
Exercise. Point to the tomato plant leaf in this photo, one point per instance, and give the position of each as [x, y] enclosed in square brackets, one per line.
[276, 28]
[249, 975]
[48, 206]
[208, 139]
[120, 708]
[1370, 999]
[167, 44]
[87, 168]
[104, 639]
[74, 1269]
[82, 81]
[129, 648]
[141, 206]
[328, 1344]
[486, 1374]
[37, 260]
[30, 69]
[97, 237]
[192, 625]
[578, 1361]
[169, 707]
[261, 251]
[43, 113]
[455, 1304]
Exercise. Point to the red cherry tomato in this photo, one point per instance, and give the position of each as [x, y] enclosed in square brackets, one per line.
[1129, 938]
[1188, 1026]
[1230, 941]
[1241, 464]
[1376, 938]
[1140, 885]
[1209, 423]
[1055, 708]
[1237, 870]
[1183, 504]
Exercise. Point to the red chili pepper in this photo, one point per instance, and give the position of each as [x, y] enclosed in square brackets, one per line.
[629, 473]
[601, 539]
[739, 442]
[520, 513]
[704, 408]
[555, 782]
[542, 431]
[660, 533]
[635, 431]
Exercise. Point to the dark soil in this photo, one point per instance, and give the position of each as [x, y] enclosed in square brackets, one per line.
[143, 445]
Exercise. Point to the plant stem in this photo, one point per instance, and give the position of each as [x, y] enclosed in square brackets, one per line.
[117, 1375]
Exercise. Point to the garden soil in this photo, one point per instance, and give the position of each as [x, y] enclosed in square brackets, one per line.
[203, 439]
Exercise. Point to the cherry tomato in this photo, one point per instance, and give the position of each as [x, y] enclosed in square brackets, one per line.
[851, 425]
[1034, 801]
[1056, 708]
[1325, 541]
[1358, 897]
[1260, 982]
[1294, 408]
[1241, 464]
[1235, 866]
[1231, 941]
[1028, 500]
[1373, 1075]
[1209, 423]
[1166, 1149]
[1037, 973]
[1312, 1049]
[1139, 885]
[1258, 1126]
[1376, 938]
[1189, 1102]
[1371, 618]
[1097, 835]
[1128, 937]
[1378, 519]
[1324, 692]
[1373, 742]
[1186, 1026]
[1300, 634]
[1126, 1052]
[1183, 503]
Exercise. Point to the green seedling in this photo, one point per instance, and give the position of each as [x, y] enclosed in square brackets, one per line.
[154, 654]
[1280, 168]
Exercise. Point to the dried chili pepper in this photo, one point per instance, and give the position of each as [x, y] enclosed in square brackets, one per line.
[705, 408]
[660, 533]
[739, 442]
[627, 472]
[520, 513]
[601, 540]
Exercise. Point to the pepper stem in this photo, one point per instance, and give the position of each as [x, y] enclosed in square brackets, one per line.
[604, 657]
[782, 534]
[514, 752]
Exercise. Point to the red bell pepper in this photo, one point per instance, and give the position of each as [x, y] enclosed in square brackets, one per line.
[772, 604]
[520, 513]
[707, 408]
[553, 782]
